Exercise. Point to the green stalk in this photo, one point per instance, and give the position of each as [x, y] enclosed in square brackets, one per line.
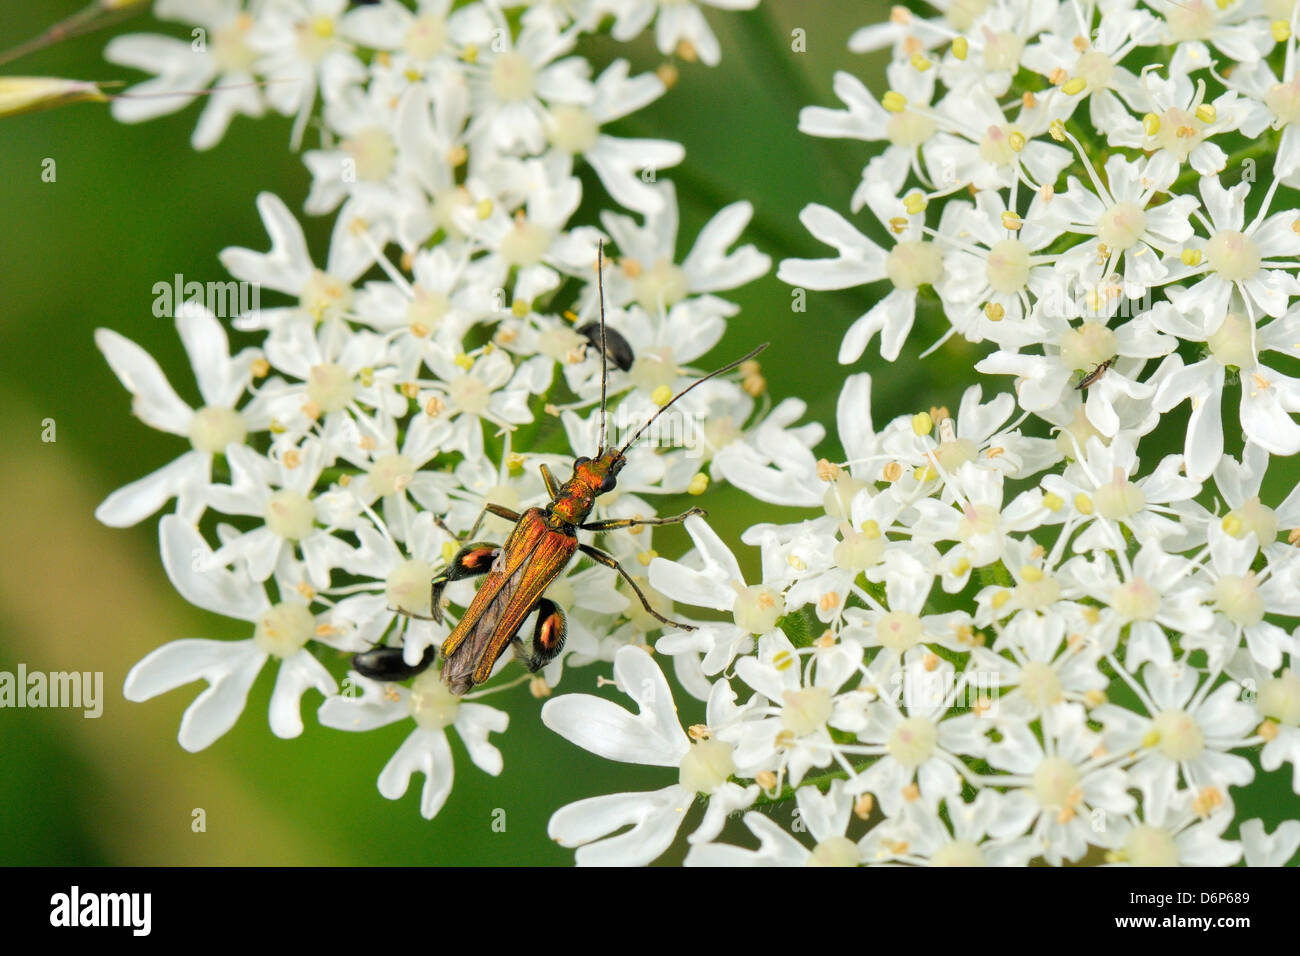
[822, 782]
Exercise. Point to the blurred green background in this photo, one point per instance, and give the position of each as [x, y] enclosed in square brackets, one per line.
[133, 205]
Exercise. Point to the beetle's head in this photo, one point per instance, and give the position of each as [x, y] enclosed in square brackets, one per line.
[592, 477]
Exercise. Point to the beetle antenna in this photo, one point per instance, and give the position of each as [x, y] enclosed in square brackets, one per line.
[604, 359]
[699, 381]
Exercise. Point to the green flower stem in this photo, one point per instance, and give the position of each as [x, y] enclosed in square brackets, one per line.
[90, 18]
[822, 782]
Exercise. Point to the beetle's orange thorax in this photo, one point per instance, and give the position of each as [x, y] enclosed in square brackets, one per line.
[592, 477]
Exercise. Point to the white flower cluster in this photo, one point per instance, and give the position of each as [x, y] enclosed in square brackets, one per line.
[410, 380]
[1004, 635]
[1009, 635]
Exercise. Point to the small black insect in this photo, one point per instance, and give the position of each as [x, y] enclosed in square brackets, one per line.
[386, 663]
[620, 353]
[1095, 374]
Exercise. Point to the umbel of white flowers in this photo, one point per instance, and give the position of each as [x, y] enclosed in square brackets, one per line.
[1000, 634]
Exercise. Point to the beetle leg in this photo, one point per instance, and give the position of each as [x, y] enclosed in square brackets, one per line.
[612, 523]
[418, 617]
[552, 486]
[499, 511]
[471, 560]
[548, 637]
[386, 663]
[610, 562]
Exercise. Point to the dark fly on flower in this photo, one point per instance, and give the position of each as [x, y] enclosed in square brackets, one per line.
[543, 542]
